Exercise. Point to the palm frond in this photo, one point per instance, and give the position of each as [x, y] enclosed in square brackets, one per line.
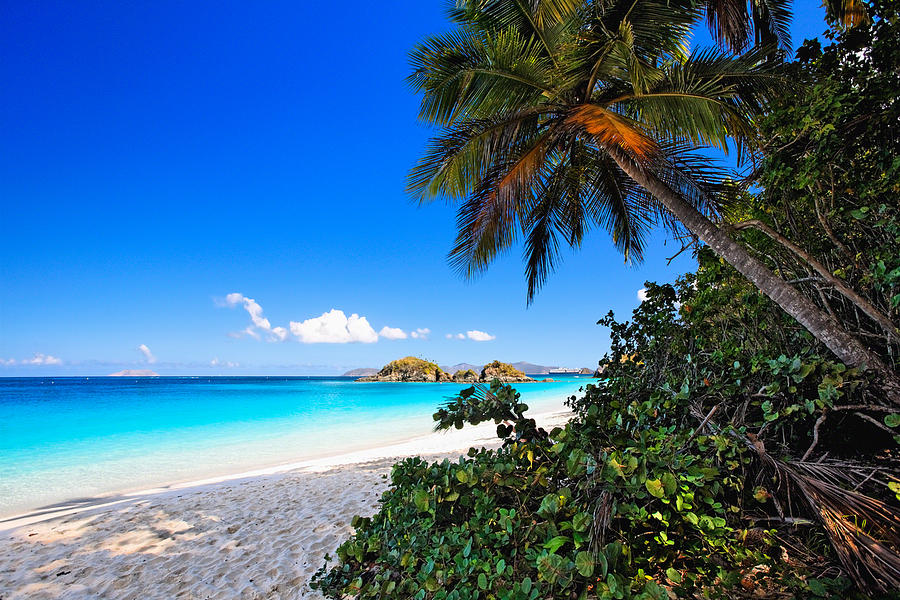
[464, 75]
[456, 161]
[772, 23]
[487, 223]
[617, 204]
[710, 99]
[612, 130]
[729, 23]
[735, 24]
[864, 531]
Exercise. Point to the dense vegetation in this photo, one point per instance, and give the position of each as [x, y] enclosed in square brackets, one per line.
[725, 452]
[704, 464]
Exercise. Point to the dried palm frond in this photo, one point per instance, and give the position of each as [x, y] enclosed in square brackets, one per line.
[864, 531]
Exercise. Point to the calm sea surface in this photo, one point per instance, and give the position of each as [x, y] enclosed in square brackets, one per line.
[65, 438]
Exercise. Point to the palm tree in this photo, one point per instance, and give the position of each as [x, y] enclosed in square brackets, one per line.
[559, 115]
[736, 23]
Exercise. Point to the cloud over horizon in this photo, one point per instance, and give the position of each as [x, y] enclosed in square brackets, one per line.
[39, 358]
[273, 334]
[223, 363]
[392, 333]
[148, 356]
[421, 333]
[334, 327]
[480, 336]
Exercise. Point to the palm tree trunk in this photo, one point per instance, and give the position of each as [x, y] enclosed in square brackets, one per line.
[824, 327]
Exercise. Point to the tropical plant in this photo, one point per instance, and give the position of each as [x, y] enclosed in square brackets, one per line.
[737, 23]
[555, 121]
[718, 457]
[827, 216]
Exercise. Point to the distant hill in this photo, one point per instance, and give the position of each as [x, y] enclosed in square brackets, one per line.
[360, 372]
[527, 367]
[134, 373]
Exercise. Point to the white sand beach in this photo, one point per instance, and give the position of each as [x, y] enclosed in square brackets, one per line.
[254, 535]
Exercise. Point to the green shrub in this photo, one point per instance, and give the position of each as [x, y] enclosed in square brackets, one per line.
[632, 497]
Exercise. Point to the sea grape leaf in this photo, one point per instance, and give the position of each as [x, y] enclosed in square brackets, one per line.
[655, 487]
[673, 575]
[584, 563]
[669, 483]
[421, 500]
[581, 521]
[555, 544]
[526, 585]
[761, 494]
[549, 505]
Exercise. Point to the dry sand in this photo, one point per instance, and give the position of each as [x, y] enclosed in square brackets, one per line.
[256, 535]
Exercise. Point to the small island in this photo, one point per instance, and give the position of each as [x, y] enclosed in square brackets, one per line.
[412, 369]
[134, 373]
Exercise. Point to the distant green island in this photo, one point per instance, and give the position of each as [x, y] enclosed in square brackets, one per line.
[412, 369]
[525, 367]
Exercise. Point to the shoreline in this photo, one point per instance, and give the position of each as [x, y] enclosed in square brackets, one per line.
[257, 534]
[436, 442]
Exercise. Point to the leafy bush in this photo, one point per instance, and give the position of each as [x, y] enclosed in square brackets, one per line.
[663, 480]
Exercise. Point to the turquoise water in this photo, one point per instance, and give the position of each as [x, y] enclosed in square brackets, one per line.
[68, 438]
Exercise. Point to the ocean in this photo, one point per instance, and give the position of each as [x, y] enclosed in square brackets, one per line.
[65, 438]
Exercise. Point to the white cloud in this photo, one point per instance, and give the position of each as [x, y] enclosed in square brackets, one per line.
[42, 359]
[259, 322]
[7, 361]
[392, 333]
[420, 334]
[220, 363]
[480, 336]
[334, 327]
[148, 356]
[456, 336]
[642, 294]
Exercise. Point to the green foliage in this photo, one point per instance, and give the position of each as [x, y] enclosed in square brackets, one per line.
[669, 498]
[411, 364]
[499, 403]
[502, 369]
[830, 177]
[630, 498]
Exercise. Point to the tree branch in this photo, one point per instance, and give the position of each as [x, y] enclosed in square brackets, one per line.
[860, 302]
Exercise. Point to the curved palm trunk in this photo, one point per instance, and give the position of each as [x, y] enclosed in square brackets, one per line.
[825, 328]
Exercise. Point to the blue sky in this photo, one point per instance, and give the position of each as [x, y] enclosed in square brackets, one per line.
[156, 158]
